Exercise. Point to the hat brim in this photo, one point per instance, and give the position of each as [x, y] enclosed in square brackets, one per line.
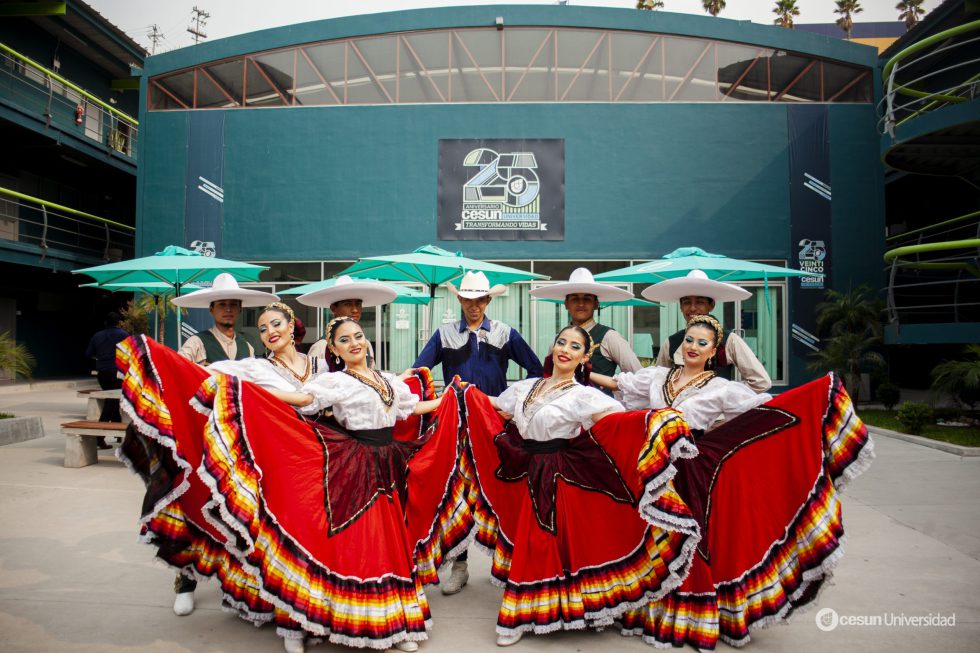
[203, 298]
[604, 292]
[494, 291]
[674, 289]
[370, 294]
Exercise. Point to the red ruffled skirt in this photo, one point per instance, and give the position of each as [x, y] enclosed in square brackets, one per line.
[564, 526]
[764, 490]
[269, 477]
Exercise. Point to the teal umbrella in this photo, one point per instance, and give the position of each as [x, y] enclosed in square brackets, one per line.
[406, 295]
[174, 266]
[433, 266]
[717, 266]
[148, 287]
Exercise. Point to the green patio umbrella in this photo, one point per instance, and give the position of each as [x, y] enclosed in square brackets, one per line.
[406, 295]
[433, 266]
[684, 259]
[174, 266]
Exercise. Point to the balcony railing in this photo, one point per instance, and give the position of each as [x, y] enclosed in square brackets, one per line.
[49, 226]
[933, 273]
[935, 72]
[57, 101]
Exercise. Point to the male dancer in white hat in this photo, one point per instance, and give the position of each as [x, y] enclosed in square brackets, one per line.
[225, 300]
[477, 349]
[582, 295]
[347, 297]
[697, 295]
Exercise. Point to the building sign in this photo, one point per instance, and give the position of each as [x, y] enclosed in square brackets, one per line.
[810, 219]
[497, 189]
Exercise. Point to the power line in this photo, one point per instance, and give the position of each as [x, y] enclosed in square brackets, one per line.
[155, 35]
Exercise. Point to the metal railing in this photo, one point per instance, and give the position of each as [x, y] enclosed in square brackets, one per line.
[59, 102]
[50, 226]
[905, 99]
[934, 272]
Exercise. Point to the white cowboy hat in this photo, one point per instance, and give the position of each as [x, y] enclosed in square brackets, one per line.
[475, 285]
[224, 286]
[695, 284]
[581, 281]
[369, 291]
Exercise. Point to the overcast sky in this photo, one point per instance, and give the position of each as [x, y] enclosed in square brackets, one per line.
[230, 17]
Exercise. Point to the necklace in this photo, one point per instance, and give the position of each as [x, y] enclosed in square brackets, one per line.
[670, 392]
[379, 384]
[539, 390]
[281, 363]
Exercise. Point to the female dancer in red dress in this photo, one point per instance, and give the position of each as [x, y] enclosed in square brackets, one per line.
[556, 494]
[763, 490]
[342, 518]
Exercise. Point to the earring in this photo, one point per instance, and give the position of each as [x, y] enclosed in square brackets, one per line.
[292, 338]
[337, 359]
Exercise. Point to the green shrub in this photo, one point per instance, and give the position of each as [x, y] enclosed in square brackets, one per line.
[7, 416]
[888, 394]
[914, 416]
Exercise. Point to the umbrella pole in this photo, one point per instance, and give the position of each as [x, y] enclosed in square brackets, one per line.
[180, 327]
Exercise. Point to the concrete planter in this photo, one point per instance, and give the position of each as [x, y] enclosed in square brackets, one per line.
[20, 429]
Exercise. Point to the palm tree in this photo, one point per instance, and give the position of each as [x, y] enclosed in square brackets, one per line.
[854, 311]
[650, 4]
[847, 9]
[785, 10]
[910, 11]
[959, 379]
[14, 357]
[848, 354]
[713, 7]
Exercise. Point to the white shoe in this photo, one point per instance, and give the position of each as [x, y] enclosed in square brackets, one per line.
[293, 645]
[509, 640]
[184, 604]
[408, 646]
[457, 578]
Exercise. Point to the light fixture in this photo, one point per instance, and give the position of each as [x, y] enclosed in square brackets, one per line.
[500, 22]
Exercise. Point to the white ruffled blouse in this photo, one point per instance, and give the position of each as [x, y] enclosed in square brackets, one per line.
[562, 417]
[261, 372]
[356, 405]
[718, 400]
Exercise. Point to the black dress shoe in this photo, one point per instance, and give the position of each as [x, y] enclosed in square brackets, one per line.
[102, 444]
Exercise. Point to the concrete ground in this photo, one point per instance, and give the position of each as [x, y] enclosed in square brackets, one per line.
[73, 579]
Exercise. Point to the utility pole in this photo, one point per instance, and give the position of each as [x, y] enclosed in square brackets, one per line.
[155, 35]
[200, 20]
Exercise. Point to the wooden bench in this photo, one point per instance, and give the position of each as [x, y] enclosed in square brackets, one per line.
[81, 440]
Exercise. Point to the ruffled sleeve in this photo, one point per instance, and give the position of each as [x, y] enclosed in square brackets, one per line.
[256, 370]
[634, 387]
[718, 401]
[589, 401]
[739, 398]
[327, 390]
[507, 401]
[405, 399]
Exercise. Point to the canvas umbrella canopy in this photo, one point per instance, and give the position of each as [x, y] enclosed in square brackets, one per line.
[684, 259]
[433, 266]
[175, 266]
[405, 295]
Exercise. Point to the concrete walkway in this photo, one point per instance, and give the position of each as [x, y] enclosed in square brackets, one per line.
[73, 579]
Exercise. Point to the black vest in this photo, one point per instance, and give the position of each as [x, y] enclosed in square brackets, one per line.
[214, 352]
[722, 368]
[600, 363]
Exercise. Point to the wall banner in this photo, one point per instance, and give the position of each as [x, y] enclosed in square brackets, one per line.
[204, 196]
[502, 189]
[810, 219]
